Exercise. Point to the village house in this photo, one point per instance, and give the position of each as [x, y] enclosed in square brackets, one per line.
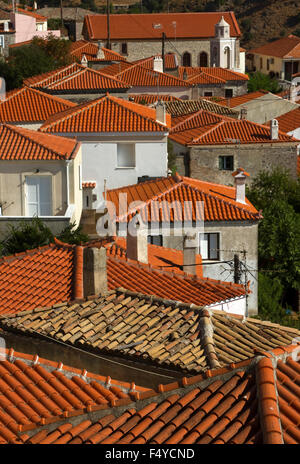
[202, 39]
[280, 58]
[210, 147]
[215, 81]
[40, 176]
[230, 222]
[260, 106]
[121, 140]
[21, 26]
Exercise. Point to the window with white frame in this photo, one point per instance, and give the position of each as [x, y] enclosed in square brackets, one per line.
[2, 41]
[209, 246]
[125, 155]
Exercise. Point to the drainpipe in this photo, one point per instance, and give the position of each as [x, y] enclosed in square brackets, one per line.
[68, 182]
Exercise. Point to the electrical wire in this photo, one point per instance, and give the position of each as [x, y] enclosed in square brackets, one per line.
[97, 356]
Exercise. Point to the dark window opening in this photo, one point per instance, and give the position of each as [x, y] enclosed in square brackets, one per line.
[155, 240]
[203, 60]
[228, 93]
[226, 163]
[186, 59]
[208, 94]
[124, 48]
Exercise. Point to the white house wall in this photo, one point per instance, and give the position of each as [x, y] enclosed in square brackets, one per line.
[232, 307]
[99, 162]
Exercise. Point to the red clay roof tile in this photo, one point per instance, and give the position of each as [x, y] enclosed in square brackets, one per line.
[18, 143]
[141, 26]
[107, 114]
[30, 105]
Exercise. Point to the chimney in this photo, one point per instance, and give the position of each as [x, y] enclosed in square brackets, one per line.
[274, 129]
[6, 26]
[100, 53]
[243, 113]
[35, 5]
[94, 271]
[240, 184]
[293, 93]
[158, 64]
[190, 252]
[84, 61]
[161, 112]
[137, 244]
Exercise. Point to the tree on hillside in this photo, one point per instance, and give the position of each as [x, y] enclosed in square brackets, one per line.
[42, 55]
[260, 81]
[278, 195]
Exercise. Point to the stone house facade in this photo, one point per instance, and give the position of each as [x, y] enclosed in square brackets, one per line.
[201, 39]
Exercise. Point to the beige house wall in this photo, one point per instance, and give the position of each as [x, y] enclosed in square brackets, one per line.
[266, 107]
[12, 185]
[260, 63]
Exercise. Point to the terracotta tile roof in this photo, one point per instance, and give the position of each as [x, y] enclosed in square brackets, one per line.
[140, 76]
[186, 107]
[158, 256]
[38, 17]
[220, 75]
[51, 77]
[287, 47]
[88, 185]
[39, 277]
[29, 105]
[86, 79]
[288, 122]
[17, 143]
[171, 61]
[149, 99]
[219, 200]
[36, 391]
[142, 26]
[171, 335]
[107, 114]
[243, 99]
[204, 128]
[233, 405]
[90, 50]
[116, 68]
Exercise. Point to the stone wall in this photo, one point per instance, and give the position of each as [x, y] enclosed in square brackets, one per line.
[143, 49]
[204, 161]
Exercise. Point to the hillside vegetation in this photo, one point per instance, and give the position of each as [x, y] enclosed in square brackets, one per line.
[260, 21]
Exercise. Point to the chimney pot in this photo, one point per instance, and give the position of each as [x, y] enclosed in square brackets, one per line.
[274, 129]
[190, 251]
[161, 112]
[94, 271]
[243, 113]
[240, 184]
[137, 244]
[100, 53]
[84, 61]
[158, 64]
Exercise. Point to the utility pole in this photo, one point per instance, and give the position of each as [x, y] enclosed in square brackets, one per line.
[163, 49]
[108, 22]
[61, 14]
[246, 280]
[237, 273]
